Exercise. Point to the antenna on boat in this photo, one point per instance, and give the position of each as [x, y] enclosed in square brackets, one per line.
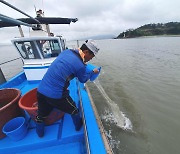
[4, 2]
[43, 6]
[35, 8]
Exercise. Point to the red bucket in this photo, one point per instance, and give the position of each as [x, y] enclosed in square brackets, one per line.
[9, 108]
[28, 102]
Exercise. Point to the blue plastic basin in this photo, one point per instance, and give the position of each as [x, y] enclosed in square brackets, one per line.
[16, 129]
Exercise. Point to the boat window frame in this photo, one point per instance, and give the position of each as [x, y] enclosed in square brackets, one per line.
[51, 43]
[34, 46]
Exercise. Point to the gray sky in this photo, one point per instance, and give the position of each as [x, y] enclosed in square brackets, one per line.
[96, 17]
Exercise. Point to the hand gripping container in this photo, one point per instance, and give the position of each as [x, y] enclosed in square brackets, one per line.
[89, 68]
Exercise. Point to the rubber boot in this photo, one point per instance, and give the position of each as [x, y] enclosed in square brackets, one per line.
[77, 120]
[39, 127]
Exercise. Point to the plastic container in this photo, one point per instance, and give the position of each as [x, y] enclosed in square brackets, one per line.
[9, 108]
[28, 102]
[16, 129]
[89, 68]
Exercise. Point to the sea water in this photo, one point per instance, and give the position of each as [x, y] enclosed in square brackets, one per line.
[137, 94]
[8, 53]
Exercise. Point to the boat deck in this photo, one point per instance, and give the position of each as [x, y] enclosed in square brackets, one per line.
[61, 136]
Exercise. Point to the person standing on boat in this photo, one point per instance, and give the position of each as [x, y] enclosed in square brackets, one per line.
[53, 89]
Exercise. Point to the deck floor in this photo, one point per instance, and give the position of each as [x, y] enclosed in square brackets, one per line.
[60, 137]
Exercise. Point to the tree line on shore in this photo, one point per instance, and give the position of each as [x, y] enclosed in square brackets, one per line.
[170, 28]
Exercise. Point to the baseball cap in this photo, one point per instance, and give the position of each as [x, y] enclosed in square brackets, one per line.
[91, 45]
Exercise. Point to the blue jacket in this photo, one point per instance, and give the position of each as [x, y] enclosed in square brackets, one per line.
[65, 67]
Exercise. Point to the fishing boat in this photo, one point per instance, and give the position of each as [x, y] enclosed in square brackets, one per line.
[37, 53]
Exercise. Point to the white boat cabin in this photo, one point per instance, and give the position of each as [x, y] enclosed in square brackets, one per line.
[38, 53]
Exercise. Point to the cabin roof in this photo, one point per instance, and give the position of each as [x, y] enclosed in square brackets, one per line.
[42, 20]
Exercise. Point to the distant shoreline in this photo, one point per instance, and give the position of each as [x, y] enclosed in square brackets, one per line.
[149, 36]
[170, 29]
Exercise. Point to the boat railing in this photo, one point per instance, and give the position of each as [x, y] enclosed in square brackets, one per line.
[10, 61]
[99, 122]
[2, 76]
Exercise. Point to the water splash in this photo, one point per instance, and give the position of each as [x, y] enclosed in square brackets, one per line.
[112, 142]
[116, 116]
[109, 117]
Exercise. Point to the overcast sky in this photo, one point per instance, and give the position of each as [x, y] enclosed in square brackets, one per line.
[96, 17]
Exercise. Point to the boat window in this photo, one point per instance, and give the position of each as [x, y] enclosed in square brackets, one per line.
[49, 48]
[63, 44]
[27, 50]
